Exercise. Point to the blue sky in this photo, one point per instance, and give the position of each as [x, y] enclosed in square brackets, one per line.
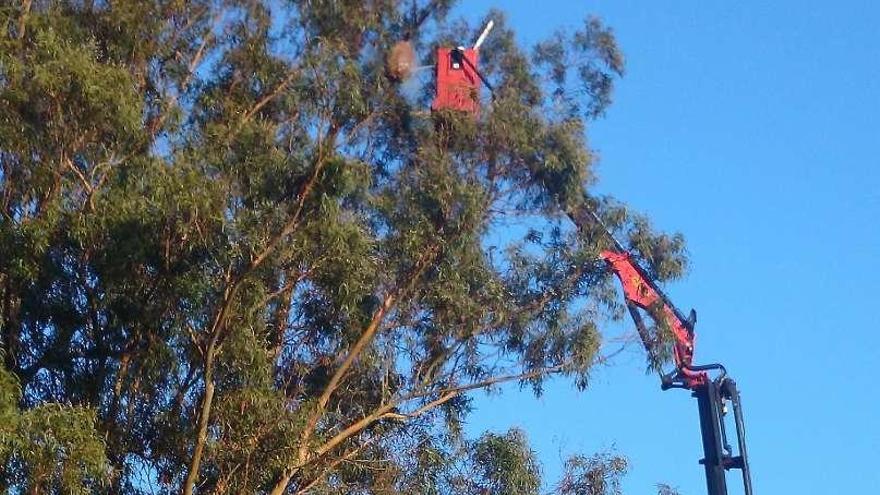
[753, 128]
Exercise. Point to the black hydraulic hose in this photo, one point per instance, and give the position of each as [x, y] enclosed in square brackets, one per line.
[476, 71]
[710, 367]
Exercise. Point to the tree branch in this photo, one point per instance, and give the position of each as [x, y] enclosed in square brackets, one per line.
[208, 396]
[446, 395]
[336, 462]
[362, 342]
[156, 125]
[232, 286]
[366, 337]
[22, 20]
[386, 411]
[267, 99]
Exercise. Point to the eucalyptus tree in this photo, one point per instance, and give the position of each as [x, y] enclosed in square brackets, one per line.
[237, 257]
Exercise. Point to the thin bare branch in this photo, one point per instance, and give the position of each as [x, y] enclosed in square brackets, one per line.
[446, 395]
[292, 75]
[332, 465]
[82, 178]
[22, 20]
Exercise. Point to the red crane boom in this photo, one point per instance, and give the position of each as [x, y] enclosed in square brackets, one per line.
[712, 394]
[640, 292]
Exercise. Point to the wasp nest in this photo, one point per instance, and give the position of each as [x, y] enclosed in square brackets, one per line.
[401, 61]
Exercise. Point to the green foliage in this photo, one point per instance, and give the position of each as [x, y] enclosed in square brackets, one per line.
[9, 414]
[245, 260]
[664, 489]
[505, 464]
[50, 448]
[595, 475]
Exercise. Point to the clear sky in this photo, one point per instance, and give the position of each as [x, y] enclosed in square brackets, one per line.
[753, 128]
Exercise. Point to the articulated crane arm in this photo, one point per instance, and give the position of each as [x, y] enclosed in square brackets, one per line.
[642, 294]
[713, 393]
[458, 82]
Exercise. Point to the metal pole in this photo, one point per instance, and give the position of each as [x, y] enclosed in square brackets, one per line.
[710, 427]
[741, 435]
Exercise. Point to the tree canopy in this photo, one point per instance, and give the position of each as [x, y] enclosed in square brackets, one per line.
[237, 257]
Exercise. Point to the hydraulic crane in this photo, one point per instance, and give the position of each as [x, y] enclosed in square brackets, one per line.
[709, 384]
[458, 84]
